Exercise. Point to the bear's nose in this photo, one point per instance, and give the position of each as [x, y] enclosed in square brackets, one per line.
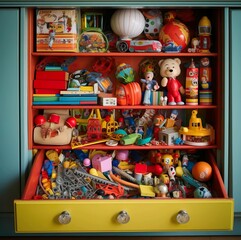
[170, 70]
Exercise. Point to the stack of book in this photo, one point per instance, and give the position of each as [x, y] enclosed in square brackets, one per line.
[84, 95]
[50, 82]
[51, 88]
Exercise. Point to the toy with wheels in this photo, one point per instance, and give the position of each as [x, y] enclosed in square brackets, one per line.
[139, 46]
[122, 46]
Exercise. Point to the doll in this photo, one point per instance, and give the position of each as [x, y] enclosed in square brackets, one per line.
[150, 85]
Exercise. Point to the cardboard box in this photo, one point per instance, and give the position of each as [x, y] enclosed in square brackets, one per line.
[57, 30]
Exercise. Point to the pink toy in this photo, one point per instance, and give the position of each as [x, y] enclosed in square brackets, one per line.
[102, 163]
[86, 162]
[169, 70]
[122, 155]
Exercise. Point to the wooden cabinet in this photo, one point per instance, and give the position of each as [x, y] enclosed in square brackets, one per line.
[197, 214]
[164, 212]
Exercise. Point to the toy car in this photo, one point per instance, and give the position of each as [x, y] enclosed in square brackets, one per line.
[139, 46]
[170, 47]
[117, 191]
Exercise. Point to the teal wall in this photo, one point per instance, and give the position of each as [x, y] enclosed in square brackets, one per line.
[10, 109]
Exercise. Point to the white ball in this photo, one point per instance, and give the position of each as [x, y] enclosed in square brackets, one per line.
[127, 23]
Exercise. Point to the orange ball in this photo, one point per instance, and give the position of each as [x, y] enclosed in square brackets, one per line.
[202, 171]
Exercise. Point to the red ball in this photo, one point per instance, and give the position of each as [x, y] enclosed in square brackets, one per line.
[71, 122]
[39, 120]
[176, 32]
[202, 171]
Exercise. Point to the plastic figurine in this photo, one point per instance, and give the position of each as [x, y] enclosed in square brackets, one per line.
[128, 120]
[150, 85]
[163, 100]
[158, 121]
[205, 74]
[204, 29]
[51, 38]
[170, 122]
[202, 192]
[192, 84]
[166, 162]
[169, 70]
[172, 173]
[194, 46]
[161, 190]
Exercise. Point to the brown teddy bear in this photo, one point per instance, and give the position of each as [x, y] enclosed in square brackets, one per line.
[169, 70]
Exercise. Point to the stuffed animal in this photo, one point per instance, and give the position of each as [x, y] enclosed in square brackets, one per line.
[169, 70]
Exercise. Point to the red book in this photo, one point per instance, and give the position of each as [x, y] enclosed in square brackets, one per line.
[50, 84]
[52, 75]
[46, 91]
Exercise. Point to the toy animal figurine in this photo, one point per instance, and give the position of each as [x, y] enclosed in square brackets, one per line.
[150, 85]
[166, 162]
[169, 70]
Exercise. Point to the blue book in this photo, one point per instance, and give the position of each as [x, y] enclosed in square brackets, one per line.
[79, 98]
[78, 94]
[66, 103]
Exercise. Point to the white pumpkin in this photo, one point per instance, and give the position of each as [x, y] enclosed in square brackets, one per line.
[127, 23]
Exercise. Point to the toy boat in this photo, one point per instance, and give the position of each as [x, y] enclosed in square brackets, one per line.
[195, 134]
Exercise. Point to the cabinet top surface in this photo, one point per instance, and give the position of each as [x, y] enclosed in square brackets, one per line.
[121, 3]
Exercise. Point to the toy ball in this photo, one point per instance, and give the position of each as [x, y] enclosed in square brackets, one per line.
[86, 162]
[70, 122]
[127, 23]
[39, 120]
[154, 22]
[54, 118]
[175, 32]
[202, 171]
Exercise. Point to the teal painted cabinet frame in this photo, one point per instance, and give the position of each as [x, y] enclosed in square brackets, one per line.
[10, 112]
[235, 113]
[15, 156]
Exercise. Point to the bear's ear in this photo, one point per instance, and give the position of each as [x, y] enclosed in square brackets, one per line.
[160, 62]
[177, 60]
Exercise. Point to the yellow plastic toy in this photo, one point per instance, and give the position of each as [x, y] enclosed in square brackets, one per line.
[195, 134]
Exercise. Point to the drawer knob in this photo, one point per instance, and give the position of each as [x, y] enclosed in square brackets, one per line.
[182, 217]
[123, 217]
[64, 218]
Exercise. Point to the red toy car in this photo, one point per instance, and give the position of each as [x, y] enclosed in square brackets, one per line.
[139, 46]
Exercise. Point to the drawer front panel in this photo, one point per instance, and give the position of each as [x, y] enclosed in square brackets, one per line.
[145, 215]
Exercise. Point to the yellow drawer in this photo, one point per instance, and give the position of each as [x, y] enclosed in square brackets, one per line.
[144, 215]
[101, 215]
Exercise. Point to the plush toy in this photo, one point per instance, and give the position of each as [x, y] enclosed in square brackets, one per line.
[169, 70]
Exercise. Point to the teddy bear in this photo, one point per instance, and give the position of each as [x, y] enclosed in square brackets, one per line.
[170, 70]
